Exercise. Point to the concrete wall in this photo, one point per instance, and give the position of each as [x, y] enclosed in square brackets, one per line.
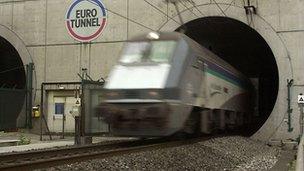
[40, 24]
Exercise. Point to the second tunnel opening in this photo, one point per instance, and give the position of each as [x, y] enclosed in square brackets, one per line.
[12, 85]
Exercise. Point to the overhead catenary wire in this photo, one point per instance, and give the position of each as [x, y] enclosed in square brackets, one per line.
[220, 8]
[229, 5]
[12, 69]
[188, 9]
[161, 11]
[194, 5]
[142, 25]
[133, 21]
[207, 19]
[223, 11]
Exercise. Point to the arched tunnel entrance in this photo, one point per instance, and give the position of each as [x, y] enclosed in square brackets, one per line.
[12, 70]
[246, 50]
[12, 85]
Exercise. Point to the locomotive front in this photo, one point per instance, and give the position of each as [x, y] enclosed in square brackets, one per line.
[138, 98]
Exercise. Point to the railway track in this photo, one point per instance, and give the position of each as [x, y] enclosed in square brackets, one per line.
[46, 158]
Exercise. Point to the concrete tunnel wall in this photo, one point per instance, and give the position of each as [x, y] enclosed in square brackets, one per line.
[278, 48]
[40, 25]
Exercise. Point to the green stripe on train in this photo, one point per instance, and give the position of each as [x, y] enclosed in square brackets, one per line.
[212, 72]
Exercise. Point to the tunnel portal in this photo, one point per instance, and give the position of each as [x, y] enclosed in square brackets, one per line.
[12, 85]
[246, 50]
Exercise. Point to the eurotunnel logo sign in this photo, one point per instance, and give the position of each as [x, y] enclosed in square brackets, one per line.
[86, 19]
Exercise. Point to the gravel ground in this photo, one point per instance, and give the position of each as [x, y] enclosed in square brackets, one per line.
[226, 153]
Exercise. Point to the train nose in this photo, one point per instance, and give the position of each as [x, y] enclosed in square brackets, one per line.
[148, 116]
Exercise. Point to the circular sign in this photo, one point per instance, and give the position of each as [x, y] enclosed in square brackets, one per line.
[86, 19]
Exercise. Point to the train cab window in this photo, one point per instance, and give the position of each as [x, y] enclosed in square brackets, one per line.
[162, 51]
[154, 51]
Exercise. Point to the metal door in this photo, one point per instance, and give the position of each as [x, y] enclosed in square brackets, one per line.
[70, 121]
[60, 107]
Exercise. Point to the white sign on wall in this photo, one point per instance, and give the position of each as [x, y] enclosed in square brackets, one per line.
[86, 19]
[300, 99]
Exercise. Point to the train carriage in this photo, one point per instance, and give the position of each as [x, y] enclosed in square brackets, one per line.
[166, 83]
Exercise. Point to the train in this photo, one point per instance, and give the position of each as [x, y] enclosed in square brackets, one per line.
[166, 83]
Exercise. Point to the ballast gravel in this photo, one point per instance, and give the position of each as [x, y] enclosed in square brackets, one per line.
[225, 153]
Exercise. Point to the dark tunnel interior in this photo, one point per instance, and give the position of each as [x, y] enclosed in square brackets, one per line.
[246, 50]
[12, 74]
[12, 85]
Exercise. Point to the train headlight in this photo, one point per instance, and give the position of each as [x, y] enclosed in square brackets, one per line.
[153, 35]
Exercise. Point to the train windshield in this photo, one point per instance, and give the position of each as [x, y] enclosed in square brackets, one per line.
[154, 51]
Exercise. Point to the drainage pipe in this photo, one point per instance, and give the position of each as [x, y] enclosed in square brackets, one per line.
[289, 110]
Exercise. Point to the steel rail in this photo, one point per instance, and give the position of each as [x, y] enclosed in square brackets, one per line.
[52, 157]
[6, 157]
